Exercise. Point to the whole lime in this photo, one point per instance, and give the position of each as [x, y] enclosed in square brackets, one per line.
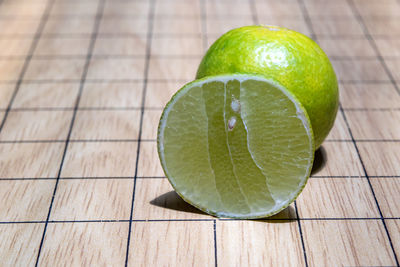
[284, 56]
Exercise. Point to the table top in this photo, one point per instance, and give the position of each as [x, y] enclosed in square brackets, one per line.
[82, 87]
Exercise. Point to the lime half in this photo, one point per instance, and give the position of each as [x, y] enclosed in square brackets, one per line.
[236, 145]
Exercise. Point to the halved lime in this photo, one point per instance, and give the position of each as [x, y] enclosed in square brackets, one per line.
[236, 145]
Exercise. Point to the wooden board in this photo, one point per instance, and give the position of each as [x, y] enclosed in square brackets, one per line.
[82, 86]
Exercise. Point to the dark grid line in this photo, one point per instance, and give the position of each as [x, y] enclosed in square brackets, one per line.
[348, 126]
[28, 58]
[215, 243]
[301, 233]
[164, 16]
[370, 186]
[354, 176]
[95, 81]
[372, 42]
[371, 109]
[253, 8]
[307, 19]
[82, 109]
[195, 220]
[214, 220]
[387, 71]
[340, 37]
[67, 57]
[148, 108]
[313, 36]
[204, 35]
[77, 141]
[163, 177]
[16, 36]
[183, 80]
[363, 82]
[96, 25]
[168, 16]
[102, 56]
[163, 35]
[150, 25]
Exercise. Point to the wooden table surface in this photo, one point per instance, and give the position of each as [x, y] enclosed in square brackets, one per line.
[82, 86]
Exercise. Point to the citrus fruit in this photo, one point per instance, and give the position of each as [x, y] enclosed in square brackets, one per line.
[237, 146]
[284, 56]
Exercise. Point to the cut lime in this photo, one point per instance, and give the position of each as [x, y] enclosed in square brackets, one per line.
[236, 145]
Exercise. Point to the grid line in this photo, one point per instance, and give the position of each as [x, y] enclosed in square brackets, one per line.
[164, 177]
[16, 36]
[100, 9]
[370, 186]
[102, 56]
[387, 71]
[301, 233]
[189, 17]
[155, 140]
[253, 9]
[150, 25]
[66, 81]
[215, 243]
[163, 56]
[306, 17]
[371, 41]
[199, 220]
[150, 108]
[149, 36]
[28, 59]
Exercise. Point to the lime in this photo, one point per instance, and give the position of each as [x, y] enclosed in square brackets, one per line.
[236, 145]
[285, 56]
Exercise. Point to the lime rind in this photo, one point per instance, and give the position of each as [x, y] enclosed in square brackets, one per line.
[301, 113]
[292, 59]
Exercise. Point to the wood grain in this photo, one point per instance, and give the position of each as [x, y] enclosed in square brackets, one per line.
[33, 160]
[9, 69]
[347, 164]
[100, 159]
[93, 199]
[112, 95]
[381, 158]
[371, 96]
[394, 230]
[20, 244]
[161, 93]
[387, 193]
[46, 95]
[106, 124]
[67, 244]
[78, 151]
[156, 199]
[279, 242]
[374, 124]
[347, 243]
[337, 198]
[25, 200]
[172, 243]
[36, 125]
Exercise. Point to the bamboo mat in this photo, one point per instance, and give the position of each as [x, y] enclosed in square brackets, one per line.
[82, 86]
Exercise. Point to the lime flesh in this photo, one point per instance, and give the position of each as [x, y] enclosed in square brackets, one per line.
[236, 146]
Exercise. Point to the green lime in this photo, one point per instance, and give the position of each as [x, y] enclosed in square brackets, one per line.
[236, 145]
[287, 57]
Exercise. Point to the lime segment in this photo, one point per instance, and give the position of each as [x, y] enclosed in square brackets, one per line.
[236, 146]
